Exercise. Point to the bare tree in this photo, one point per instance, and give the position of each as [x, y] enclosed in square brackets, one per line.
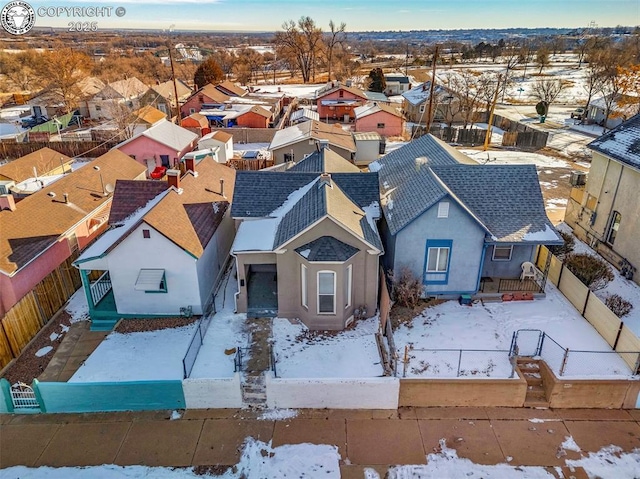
[336, 36]
[301, 41]
[547, 90]
[542, 58]
[63, 68]
[487, 83]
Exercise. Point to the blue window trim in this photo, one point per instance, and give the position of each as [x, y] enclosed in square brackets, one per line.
[437, 244]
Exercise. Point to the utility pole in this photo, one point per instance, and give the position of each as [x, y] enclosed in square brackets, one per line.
[173, 77]
[406, 62]
[432, 89]
[487, 137]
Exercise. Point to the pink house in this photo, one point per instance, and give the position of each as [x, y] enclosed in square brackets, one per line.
[379, 117]
[161, 145]
[338, 102]
[46, 228]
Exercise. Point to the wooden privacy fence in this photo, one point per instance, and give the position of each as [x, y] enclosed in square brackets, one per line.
[89, 149]
[609, 326]
[23, 321]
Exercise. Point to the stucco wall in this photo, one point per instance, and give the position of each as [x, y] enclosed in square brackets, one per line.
[466, 251]
[213, 393]
[364, 285]
[144, 148]
[365, 393]
[507, 269]
[136, 253]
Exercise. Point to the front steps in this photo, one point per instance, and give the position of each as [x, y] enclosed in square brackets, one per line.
[254, 390]
[536, 396]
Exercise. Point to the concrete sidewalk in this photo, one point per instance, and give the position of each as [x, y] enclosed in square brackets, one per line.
[365, 438]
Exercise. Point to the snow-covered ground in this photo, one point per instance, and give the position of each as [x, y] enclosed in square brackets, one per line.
[491, 327]
[495, 157]
[141, 356]
[77, 306]
[348, 354]
[621, 286]
[310, 461]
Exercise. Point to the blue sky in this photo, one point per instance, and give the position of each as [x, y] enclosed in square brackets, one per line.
[359, 15]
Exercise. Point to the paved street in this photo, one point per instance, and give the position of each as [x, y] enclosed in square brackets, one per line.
[365, 438]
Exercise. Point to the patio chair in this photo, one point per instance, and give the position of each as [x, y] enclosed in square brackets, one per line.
[528, 271]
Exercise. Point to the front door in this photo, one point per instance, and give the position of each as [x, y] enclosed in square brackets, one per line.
[262, 289]
[151, 164]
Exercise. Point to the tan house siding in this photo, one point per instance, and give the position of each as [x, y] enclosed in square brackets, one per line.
[243, 261]
[610, 187]
[303, 148]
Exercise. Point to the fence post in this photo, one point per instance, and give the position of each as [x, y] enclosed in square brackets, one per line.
[540, 343]
[6, 394]
[560, 275]
[586, 302]
[564, 361]
[36, 390]
[615, 343]
[406, 361]
[459, 362]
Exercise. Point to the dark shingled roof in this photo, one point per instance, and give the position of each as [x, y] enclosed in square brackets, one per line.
[258, 193]
[407, 188]
[506, 199]
[622, 143]
[130, 195]
[327, 248]
[324, 161]
[205, 218]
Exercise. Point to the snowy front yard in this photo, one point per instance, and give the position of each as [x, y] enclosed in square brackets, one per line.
[491, 327]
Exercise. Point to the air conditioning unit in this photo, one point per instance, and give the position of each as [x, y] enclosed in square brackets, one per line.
[578, 178]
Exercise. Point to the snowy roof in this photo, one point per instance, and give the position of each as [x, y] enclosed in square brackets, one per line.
[622, 143]
[276, 206]
[303, 114]
[420, 93]
[315, 130]
[505, 199]
[166, 133]
[376, 96]
[372, 108]
[43, 161]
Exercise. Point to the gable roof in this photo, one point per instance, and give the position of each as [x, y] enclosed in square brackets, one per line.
[407, 189]
[283, 204]
[221, 136]
[506, 199]
[303, 114]
[166, 90]
[419, 94]
[372, 108]
[43, 160]
[86, 87]
[127, 88]
[337, 86]
[201, 119]
[165, 133]
[324, 161]
[313, 130]
[39, 220]
[212, 92]
[231, 89]
[149, 114]
[259, 111]
[622, 143]
[188, 218]
[390, 77]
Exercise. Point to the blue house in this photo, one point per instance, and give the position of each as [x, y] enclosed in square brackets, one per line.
[462, 227]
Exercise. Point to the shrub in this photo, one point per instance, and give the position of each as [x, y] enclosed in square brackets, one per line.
[618, 305]
[407, 288]
[591, 270]
[564, 249]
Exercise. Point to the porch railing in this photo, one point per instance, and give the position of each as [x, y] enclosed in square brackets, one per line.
[526, 285]
[100, 288]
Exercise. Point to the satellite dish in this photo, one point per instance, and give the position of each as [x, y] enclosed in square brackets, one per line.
[109, 188]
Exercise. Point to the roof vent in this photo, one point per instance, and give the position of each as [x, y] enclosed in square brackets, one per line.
[51, 194]
[325, 179]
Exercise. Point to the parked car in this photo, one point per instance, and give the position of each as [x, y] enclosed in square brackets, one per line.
[578, 113]
[31, 121]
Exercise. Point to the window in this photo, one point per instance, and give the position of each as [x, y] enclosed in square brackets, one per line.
[502, 253]
[592, 202]
[348, 286]
[201, 98]
[289, 157]
[380, 125]
[340, 94]
[443, 209]
[192, 111]
[613, 227]
[303, 285]
[326, 292]
[151, 281]
[162, 107]
[73, 242]
[422, 108]
[98, 108]
[146, 234]
[164, 159]
[437, 260]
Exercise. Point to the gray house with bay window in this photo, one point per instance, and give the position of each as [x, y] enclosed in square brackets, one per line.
[462, 227]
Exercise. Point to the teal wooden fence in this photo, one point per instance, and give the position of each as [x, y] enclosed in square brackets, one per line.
[97, 397]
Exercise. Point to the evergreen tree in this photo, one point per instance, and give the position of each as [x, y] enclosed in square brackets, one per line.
[377, 81]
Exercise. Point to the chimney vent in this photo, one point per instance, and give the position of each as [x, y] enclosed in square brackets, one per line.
[325, 179]
[66, 197]
[323, 144]
[7, 202]
[173, 178]
[190, 164]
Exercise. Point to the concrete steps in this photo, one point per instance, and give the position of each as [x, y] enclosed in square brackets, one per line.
[536, 396]
[254, 390]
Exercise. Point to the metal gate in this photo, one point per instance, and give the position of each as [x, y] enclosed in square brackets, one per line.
[23, 397]
[526, 342]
